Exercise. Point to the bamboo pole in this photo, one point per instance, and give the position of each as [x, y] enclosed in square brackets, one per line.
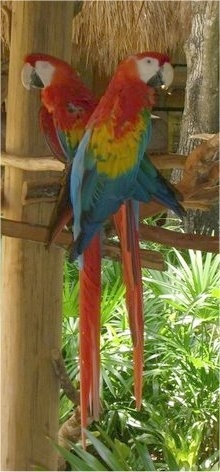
[32, 276]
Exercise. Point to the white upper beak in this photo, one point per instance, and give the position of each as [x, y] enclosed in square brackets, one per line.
[26, 75]
[167, 74]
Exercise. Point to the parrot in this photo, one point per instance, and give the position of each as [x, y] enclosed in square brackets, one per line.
[110, 172]
[109, 167]
[61, 121]
[66, 106]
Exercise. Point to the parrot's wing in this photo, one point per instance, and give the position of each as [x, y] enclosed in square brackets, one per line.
[76, 180]
[62, 212]
[151, 184]
[70, 136]
[50, 134]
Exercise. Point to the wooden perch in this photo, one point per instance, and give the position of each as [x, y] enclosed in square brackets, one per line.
[70, 432]
[161, 161]
[179, 240]
[39, 191]
[202, 200]
[168, 161]
[201, 169]
[32, 163]
[203, 136]
[149, 259]
[167, 237]
[205, 195]
[193, 204]
[65, 381]
[15, 229]
[151, 209]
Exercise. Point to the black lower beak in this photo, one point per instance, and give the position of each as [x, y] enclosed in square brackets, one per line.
[36, 82]
[156, 80]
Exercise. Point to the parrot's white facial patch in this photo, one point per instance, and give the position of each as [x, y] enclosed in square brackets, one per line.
[147, 68]
[45, 71]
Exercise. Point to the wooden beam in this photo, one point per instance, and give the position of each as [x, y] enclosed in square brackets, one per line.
[179, 240]
[149, 259]
[153, 208]
[65, 382]
[161, 161]
[36, 191]
[200, 168]
[111, 250]
[168, 161]
[203, 136]
[32, 232]
[36, 164]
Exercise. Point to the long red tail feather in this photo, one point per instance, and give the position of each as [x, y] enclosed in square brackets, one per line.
[127, 231]
[89, 329]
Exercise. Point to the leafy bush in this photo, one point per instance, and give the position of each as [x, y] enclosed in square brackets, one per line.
[178, 420]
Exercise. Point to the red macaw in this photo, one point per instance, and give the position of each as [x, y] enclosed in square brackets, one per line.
[67, 105]
[109, 169]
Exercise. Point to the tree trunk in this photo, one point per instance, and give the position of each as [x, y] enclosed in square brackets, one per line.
[201, 100]
[32, 276]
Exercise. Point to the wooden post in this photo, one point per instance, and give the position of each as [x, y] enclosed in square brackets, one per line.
[32, 276]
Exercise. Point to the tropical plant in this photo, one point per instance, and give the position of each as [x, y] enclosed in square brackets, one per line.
[107, 454]
[181, 358]
[178, 420]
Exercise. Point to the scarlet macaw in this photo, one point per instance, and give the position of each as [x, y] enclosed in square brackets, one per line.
[109, 168]
[66, 106]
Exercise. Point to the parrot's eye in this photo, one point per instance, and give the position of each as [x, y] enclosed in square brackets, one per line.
[148, 61]
[71, 108]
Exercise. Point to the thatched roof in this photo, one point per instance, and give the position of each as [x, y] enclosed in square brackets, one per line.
[104, 32]
[5, 29]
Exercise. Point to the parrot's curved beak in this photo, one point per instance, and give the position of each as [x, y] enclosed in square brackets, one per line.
[30, 78]
[163, 77]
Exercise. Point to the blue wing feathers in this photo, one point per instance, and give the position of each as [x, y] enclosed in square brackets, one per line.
[151, 184]
[65, 144]
[77, 174]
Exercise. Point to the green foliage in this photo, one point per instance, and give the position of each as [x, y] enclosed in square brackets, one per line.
[107, 454]
[177, 427]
